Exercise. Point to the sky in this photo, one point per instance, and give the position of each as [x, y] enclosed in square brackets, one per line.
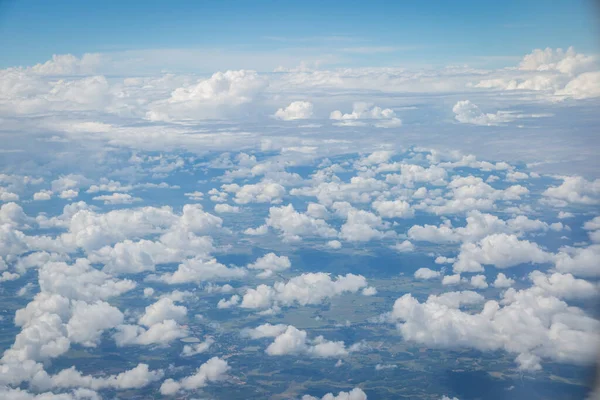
[354, 33]
[299, 201]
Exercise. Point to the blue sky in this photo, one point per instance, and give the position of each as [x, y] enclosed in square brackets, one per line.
[369, 33]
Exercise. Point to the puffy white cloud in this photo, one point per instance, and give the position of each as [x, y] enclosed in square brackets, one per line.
[135, 378]
[359, 190]
[527, 323]
[296, 110]
[290, 340]
[160, 333]
[294, 225]
[502, 281]
[362, 226]
[20, 394]
[308, 288]
[575, 189]
[411, 173]
[567, 62]
[197, 348]
[563, 286]
[451, 279]
[426, 273]
[365, 112]
[42, 195]
[89, 320]
[354, 394]
[404, 247]
[117, 198]
[469, 113]
[164, 309]
[584, 86]
[262, 192]
[214, 370]
[477, 227]
[479, 282]
[232, 302]
[226, 208]
[270, 263]
[199, 269]
[393, 209]
[214, 97]
[80, 281]
[579, 261]
[500, 250]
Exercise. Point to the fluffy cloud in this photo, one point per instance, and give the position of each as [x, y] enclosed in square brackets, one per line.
[527, 323]
[393, 209]
[426, 273]
[290, 340]
[270, 263]
[216, 96]
[500, 250]
[579, 261]
[214, 370]
[354, 394]
[262, 192]
[305, 289]
[575, 189]
[117, 198]
[200, 269]
[363, 113]
[294, 225]
[296, 110]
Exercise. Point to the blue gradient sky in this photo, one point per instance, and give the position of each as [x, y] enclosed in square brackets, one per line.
[369, 33]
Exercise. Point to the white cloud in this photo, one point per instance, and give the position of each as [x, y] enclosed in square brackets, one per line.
[290, 340]
[500, 250]
[308, 288]
[354, 394]
[214, 370]
[200, 269]
[393, 209]
[404, 247]
[579, 261]
[502, 281]
[293, 224]
[426, 273]
[575, 189]
[262, 192]
[217, 96]
[197, 348]
[363, 113]
[270, 263]
[479, 282]
[117, 198]
[526, 323]
[563, 286]
[226, 208]
[296, 110]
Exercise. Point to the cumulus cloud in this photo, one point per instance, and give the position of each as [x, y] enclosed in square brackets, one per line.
[365, 113]
[354, 394]
[305, 289]
[525, 322]
[214, 370]
[469, 113]
[217, 96]
[290, 340]
[500, 250]
[296, 110]
[426, 273]
[574, 189]
[270, 263]
[294, 225]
